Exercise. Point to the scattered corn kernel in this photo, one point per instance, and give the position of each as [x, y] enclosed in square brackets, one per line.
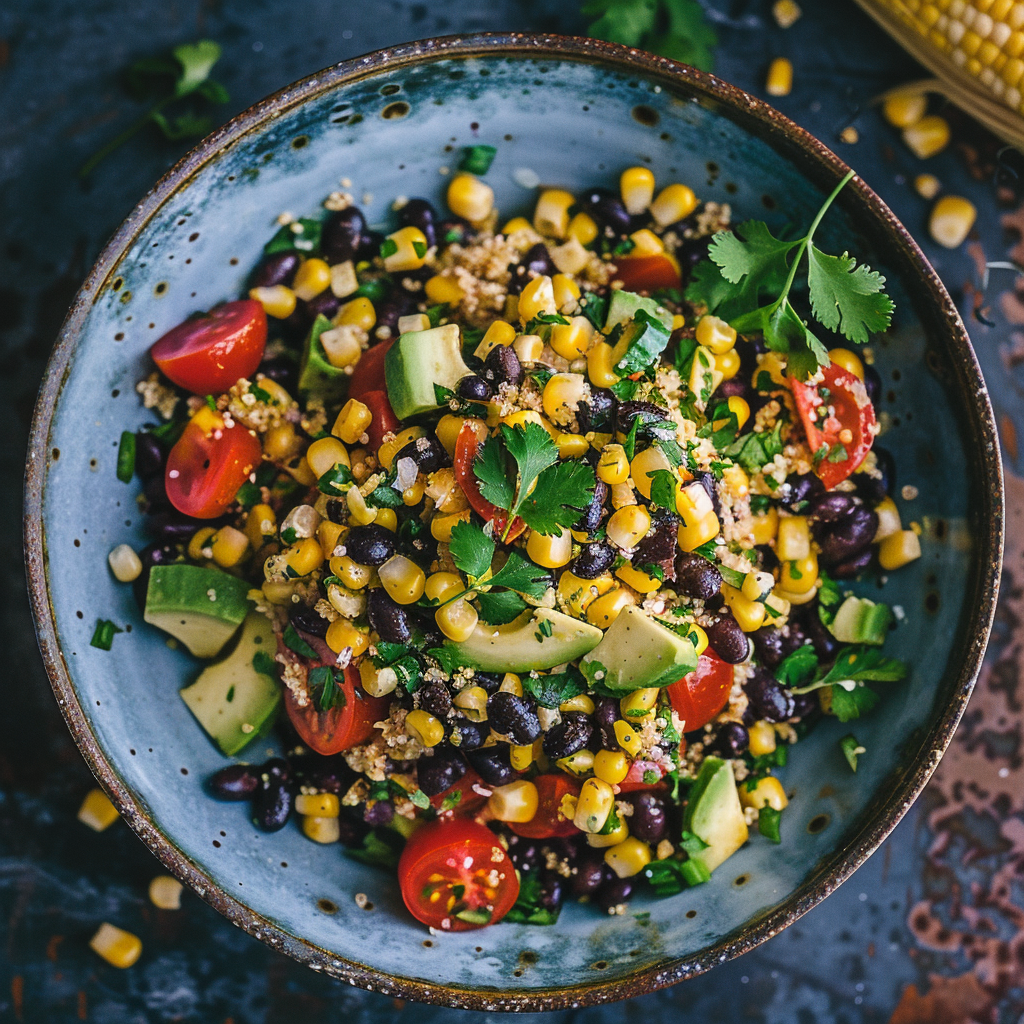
[551, 215]
[97, 811]
[674, 203]
[322, 805]
[636, 185]
[762, 739]
[786, 13]
[165, 893]
[605, 610]
[312, 278]
[928, 136]
[277, 300]
[424, 727]
[898, 549]
[552, 551]
[780, 77]
[118, 947]
[951, 221]
[342, 635]
[903, 109]
[593, 806]
[321, 830]
[628, 858]
[406, 249]
[403, 579]
[927, 186]
[443, 291]
[794, 538]
[457, 620]
[125, 563]
[848, 360]
[715, 334]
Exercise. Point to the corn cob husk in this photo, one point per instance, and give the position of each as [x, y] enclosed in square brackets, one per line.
[933, 31]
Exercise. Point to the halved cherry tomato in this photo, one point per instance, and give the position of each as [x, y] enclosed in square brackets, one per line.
[466, 446]
[455, 875]
[836, 412]
[342, 727]
[647, 273]
[699, 696]
[208, 464]
[469, 801]
[547, 822]
[368, 374]
[209, 353]
[384, 419]
[635, 777]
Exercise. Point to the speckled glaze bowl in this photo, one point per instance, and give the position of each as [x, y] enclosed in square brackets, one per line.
[566, 112]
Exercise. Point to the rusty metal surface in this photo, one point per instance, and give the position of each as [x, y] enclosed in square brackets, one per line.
[931, 929]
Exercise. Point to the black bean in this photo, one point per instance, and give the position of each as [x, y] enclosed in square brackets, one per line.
[591, 518]
[325, 304]
[337, 510]
[472, 734]
[155, 493]
[831, 507]
[369, 545]
[872, 384]
[325, 774]
[691, 252]
[418, 213]
[872, 489]
[591, 874]
[492, 764]
[274, 798]
[806, 619]
[309, 620]
[593, 560]
[606, 714]
[440, 772]
[736, 387]
[513, 716]
[551, 890]
[660, 545]
[502, 366]
[524, 853]
[489, 681]
[726, 637]
[170, 527]
[853, 566]
[235, 782]
[803, 487]
[392, 307]
[848, 537]
[149, 455]
[474, 389]
[351, 830]
[380, 813]
[771, 645]
[535, 262]
[649, 821]
[696, 576]
[278, 268]
[767, 559]
[436, 698]
[387, 617]
[614, 892]
[806, 705]
[607, 210]
[571, 734]
[732, 740]
[599, 412]
[342, 235]
[769, 701]
[427, 452]
[285, 372]
[648, 413]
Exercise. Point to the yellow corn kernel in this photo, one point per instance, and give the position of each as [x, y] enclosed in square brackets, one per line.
[628, 526]
[902, 109]
[794, 538]
[888, 520]
[583, 228]
[352, 421]
[629, 858]
[693, 502]
[562, 394]
[523, 416]
[640, 703]
[951, 220]
[848, 360]
[441, 526]
[786, 13]
[578, 594]
[748, 614]
[627, 738]
[403, 579]
[321, 829]
[199, 544]
[357, 313]
[780, 77]
[739, 408]
[766, 526]
[443, 291]
[698, 637]
[766, 792]
[704, 374]
[298, 469]
[641, 582]
[613, 466]
[323, 805]
[97, 811]
[791, 598]
[511, 683]
[643, 467]
[358, 511]
[277, 300]
[728, 364]
[636, 185]
[580, 764]
[124, 563]
[343, 279]
[388, 518]
[352, 574]
[572, 340]
[611, 766]
[521, 757]
[536, 298]
[601, 841]
[927, 186]
[515, 802]
[593, 805]
[775, 366]
[440, 586]
[342, 635]
[413, 494]
[280, 443]
[407, 248]
[118, 947]
[470, 198]
[229, 546]
[693, 536]
[552, 551]
[424, 727]
[567, 292]
[499, 333]
[600, 363]
[571, 446]
[450, 426]
[605, 609]
[928, 136]
[898, 549]
[736, 480]
[472, 701]
[646, 243]
[714, 333]
[551, 215]
[516, 224]
[313, 277]
[389, 449]
[581, 702]
[325, 454]
[762, 738]
[757, 584]
[165, 893]
[457, 620]
[304, 557]
[799, 575]
[674, 202]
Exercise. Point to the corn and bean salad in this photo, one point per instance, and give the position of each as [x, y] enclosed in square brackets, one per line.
[533, 563]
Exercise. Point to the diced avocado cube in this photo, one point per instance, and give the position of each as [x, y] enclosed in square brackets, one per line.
[713, 813]
[537, 639]
[316, 375]
[860, 621]
[418, 361]
[623, 306]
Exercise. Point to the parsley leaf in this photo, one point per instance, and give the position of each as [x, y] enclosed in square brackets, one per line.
[522, 576]
[798, 668]
[673, 28]
[532, 448]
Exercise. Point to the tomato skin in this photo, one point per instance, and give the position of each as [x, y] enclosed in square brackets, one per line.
[647, 273]
[205, 468]
[384, 419]
[466, 446]
[209, 353]
[442, 847]
[330, 732]
[470, 801]
[634, 779]
[853, 411]
[368, 374]
[546, 823]
[702, 694]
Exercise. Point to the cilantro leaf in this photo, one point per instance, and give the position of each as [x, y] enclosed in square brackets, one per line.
[555, 688]
[295, 642]
[752, 252]
[562, 493]
[492, 476]
[648, 338]
[798, 668]
[196, 60]
[673, 28]
[849, 704]
[522, 576]
[323, 683]
[529, 906]
[532, 448]
[754, 451]
[865, 664]
[471, 549]
[847, 297]
[499, 607]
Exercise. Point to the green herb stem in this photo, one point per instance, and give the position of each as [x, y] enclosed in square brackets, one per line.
[133, 129]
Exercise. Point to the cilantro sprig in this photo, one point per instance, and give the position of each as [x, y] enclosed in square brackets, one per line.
[750, 264]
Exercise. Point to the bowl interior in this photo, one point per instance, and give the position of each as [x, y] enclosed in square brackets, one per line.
[397, 132]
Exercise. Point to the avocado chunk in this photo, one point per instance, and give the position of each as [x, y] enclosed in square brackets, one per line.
[636, 652]
[860, 621]
[418, 361]
[623, 306]
[537, 639]
[316, 375]
[232, 699]
[714, 814]
[202, 608]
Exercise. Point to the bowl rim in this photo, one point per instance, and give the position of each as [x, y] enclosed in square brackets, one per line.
[819, 164]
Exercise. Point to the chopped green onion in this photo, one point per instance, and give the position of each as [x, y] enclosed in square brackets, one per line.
[768, 823]
[851, 750]
[103, 636]
[388, 248]
[694, 872]
[126, 457]
[477, 159]
[334, 480]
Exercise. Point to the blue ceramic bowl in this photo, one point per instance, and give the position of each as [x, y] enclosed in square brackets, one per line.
[566, 112]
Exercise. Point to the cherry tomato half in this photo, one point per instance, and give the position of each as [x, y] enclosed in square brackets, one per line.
[208, 464]
[342, 727]
[368, 374]
[466, 446]
[208, 353]
[699, 696]
[647, 273]
[384, 419]
[469, 800]
[456, 876]
[845, 416]
[547, 822]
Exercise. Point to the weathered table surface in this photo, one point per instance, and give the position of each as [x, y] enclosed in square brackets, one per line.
[931, 929]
